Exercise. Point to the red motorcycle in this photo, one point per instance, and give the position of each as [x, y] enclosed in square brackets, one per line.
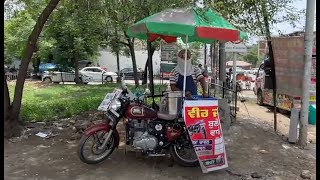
[146, 131]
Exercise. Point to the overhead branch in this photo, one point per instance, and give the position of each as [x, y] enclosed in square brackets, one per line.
[121, 42]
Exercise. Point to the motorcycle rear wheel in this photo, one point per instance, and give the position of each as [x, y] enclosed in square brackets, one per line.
[181, 161]
[102, 153]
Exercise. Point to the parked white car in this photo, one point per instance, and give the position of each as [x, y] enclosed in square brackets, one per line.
[64, 76]
[98, 74]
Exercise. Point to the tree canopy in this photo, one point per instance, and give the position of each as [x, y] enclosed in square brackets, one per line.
[76, 27]
[248, 15]
[252, 56]
[16, 32]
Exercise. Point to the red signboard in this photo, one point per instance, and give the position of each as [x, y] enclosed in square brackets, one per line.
[203, 124]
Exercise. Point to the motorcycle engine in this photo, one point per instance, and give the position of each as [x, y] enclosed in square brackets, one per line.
[144, 141]
[139, 136]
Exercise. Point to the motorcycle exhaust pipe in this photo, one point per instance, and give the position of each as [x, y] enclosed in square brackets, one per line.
[156, 155]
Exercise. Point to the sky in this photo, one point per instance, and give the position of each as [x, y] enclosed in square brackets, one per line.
[286, 28]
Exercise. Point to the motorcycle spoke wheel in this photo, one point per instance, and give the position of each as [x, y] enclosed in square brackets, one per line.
[90, 150]
[186, 153]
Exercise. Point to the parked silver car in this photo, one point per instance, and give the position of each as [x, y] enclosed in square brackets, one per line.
[65, 75]
[98, 74]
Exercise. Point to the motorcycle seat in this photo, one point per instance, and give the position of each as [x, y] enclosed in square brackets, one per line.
[165, 116]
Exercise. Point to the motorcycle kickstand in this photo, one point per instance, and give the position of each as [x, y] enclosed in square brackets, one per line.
[171, 162]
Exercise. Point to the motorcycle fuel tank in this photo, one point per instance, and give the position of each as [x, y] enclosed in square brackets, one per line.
[140, 111]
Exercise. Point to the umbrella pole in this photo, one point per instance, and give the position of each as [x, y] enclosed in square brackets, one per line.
[185, 68]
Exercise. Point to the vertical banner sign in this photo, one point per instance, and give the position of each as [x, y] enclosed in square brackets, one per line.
[204, 128]
[289, 64]
[169, 52]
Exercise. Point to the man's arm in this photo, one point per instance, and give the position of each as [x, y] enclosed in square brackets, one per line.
[173, 80]
[203, 85]
[201, 79]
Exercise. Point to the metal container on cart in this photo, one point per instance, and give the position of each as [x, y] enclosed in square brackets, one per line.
[172, 102]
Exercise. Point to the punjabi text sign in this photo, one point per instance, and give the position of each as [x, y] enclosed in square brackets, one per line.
[204, 128]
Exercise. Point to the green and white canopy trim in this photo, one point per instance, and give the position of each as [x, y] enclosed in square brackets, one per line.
[199, 25]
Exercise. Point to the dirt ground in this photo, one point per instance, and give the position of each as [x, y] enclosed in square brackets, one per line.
[253, 149]
[264, 115]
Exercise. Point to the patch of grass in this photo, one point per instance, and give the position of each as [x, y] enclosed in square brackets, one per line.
[60, 101]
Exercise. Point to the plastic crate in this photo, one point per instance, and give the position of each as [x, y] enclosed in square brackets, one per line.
[312, 114]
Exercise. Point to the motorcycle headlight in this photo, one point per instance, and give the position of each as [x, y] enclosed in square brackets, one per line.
[115, 105]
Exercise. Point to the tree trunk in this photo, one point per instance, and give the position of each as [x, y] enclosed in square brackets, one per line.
[205, 54]
[133, 57]
[118, 66]
[12, 116]
[134, 63]
[145, 77]
[117, 55]
[36, 64]
[145, 72]
[269, 44]
[12, 128]
[76, 67]
[6, 104]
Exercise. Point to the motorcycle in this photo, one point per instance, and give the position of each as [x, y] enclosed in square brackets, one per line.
[146, 131]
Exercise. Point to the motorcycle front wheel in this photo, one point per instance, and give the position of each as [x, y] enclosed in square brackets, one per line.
[90, 150]
[184, 156]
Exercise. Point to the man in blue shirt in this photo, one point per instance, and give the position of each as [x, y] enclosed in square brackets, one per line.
[193, 74]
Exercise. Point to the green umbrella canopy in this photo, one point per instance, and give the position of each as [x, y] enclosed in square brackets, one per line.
[199, 25]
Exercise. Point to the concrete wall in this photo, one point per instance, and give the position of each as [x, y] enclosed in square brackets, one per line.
[109, 60]
[16, 65]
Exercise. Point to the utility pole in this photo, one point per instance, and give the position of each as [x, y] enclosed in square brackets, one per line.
[234, 70]
[211, 58]
[308, 43]
[222, 65]
[216, 60]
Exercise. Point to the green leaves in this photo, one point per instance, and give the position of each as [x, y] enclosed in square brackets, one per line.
[248, 15]
[77, 26]
[16, 33]
[251, 56]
